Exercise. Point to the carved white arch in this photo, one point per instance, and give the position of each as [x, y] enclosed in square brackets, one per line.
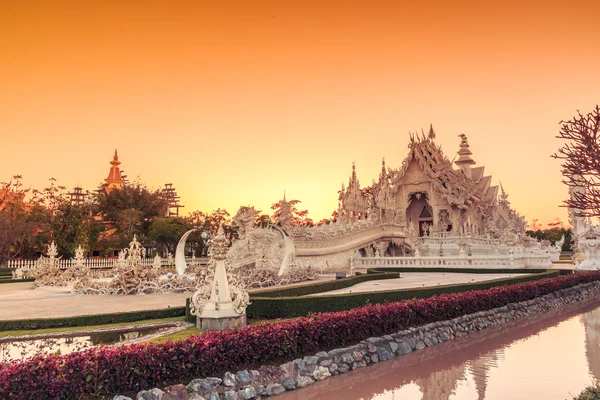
[180, 264]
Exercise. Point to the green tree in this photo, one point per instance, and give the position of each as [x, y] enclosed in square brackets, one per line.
[16, 231]
[299, 217]
[166, 232]
[131, 208]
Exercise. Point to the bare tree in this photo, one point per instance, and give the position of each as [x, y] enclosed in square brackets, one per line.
[581, 165]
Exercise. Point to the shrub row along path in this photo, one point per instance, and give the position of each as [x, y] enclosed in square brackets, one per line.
[410, 280]
[19, 301]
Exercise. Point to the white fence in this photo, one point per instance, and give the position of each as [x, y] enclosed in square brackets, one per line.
[95, 263]
[493, 261]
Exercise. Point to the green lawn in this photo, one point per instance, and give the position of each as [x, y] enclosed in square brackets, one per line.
[85, 328]
[181, 335]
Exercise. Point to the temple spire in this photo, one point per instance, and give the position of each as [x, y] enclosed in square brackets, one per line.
[431, 132]
[464, 154]
[353, 178]
[114, 180]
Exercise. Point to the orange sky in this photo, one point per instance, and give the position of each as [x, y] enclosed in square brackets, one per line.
[235, 102]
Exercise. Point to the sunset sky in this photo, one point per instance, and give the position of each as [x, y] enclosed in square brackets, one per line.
[235, 102]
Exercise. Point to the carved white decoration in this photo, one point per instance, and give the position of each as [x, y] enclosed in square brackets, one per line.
[79, 256]
[220, 304]
[180, 265]
[157, 263]
[134, 254]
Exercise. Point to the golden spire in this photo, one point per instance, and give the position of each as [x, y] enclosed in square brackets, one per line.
[114, 179]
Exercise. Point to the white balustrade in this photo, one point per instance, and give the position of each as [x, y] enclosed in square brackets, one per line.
[93, 263]
[492, 261]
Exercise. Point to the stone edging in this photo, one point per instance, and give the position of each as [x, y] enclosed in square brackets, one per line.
[302, 372]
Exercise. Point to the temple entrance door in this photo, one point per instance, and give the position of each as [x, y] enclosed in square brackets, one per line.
[425, 221]
[419, 213]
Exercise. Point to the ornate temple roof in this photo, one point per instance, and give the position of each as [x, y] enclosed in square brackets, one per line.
[461, 187]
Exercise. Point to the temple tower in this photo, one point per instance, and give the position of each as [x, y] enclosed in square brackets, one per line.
[169, 194]
[114, 180]
[77, 196]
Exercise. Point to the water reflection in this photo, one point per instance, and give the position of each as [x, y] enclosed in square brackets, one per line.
[23, 349]
[591, 322]
[551, 357]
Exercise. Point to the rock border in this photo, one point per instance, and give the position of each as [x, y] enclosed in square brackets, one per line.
[302, 372]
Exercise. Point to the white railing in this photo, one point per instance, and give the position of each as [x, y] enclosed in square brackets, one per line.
[94, 263]
[493, 261]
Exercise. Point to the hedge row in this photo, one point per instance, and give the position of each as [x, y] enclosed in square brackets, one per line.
[10, 280]
[282, 307]
[89, 320]
[320, 287]
[6, 271]
[109, 370]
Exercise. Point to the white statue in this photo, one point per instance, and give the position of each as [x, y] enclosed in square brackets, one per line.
[157, 263]
[79, 257]
[135, 252]
[226, 307]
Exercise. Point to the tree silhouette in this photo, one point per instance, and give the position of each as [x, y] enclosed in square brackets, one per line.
[581, 165]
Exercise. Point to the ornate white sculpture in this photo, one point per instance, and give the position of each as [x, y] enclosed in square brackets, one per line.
[216, 311]
[134, 254]
[157, 262]
[79, 256]
[180, 265]
[587, 246]
[52, 252]
[122, 258]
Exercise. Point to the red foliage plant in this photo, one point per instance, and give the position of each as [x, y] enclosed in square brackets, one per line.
[109, 370]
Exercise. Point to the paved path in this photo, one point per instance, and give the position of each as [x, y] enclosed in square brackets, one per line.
[415, 280]
[19, 301]
[23, 303]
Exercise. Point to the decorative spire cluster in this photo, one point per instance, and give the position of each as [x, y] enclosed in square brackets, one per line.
[464, 154]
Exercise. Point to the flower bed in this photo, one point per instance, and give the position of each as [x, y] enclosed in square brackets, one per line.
[108, 370]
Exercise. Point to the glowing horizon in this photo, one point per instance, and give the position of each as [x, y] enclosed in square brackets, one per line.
[235, 103]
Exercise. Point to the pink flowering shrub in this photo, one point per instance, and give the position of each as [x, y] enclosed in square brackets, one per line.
[106, 370]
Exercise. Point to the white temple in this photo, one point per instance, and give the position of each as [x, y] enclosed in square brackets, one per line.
[429, 211]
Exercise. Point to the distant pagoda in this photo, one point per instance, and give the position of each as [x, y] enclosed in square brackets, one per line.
[169, 194]
[115, 179]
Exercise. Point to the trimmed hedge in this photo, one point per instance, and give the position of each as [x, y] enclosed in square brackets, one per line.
[285, 307]
[108, 370]
[321, 287]
[10, 280]
[89, 320]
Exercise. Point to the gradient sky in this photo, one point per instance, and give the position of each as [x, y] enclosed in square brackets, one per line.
[235, 102]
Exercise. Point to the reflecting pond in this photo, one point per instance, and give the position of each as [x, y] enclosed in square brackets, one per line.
[23, 349]
[553, 356]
